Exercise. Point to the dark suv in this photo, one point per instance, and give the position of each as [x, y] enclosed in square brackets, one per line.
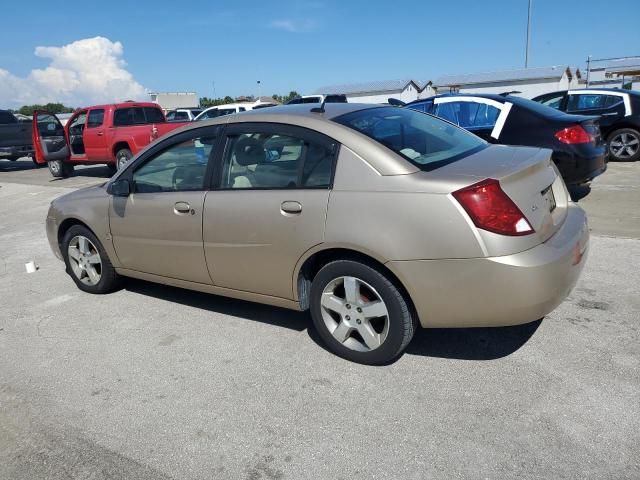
[619, 112]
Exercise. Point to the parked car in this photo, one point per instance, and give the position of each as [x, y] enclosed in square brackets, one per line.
[183, 114]
[15, 137]
[376, 219]
[578, 149]
[619, 112]
[332, 98]
[231, 108]
[110, 134]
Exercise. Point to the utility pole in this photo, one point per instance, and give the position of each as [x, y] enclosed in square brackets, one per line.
[588, 69]
[526, 54]
[258, 89]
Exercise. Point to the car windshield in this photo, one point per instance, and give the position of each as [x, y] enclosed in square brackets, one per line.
[424, 140]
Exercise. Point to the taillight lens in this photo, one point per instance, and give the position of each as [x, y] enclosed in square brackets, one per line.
[491, 209]
[573, 135]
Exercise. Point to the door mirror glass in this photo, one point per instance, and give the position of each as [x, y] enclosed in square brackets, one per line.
[120, 188]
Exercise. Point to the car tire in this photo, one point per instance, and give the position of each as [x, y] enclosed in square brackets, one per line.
[624, 145]
[122, 158]
[38, 165]
[60, 169]
[356, 326]
[104, 278]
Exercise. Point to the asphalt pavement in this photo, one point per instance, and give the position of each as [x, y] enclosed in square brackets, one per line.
[154, 382]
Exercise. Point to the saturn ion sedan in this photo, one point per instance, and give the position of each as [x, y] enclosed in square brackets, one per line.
[376, 219]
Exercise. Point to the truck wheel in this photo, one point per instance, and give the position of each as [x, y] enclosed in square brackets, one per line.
[122, 157]
[60, 169]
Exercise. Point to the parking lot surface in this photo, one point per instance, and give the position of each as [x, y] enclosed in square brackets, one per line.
[154, 382]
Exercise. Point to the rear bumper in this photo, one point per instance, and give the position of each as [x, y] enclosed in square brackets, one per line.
[577, 169]
[498, 291]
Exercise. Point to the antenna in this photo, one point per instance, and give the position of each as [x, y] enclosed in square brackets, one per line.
[320, 109]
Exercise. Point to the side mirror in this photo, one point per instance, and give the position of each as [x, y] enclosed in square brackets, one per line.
[120, 188]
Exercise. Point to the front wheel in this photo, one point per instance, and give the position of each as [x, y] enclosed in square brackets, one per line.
[360, 314]
[122, 157]
[87, 262]
[624, 145]
[59, 169]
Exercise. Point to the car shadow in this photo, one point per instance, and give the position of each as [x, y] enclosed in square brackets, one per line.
[578, 192]
[22, 164]
[452, 343]
[257, 312]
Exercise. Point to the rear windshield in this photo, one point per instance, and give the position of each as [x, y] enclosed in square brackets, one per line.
[424, 140]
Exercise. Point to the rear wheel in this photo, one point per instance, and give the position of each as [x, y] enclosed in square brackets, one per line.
[87, 262]
[60, 169]
[359, 314]
[122, 157]
[624, 145]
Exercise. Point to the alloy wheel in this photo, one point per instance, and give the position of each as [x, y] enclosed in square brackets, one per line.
[355, 314]
[624, 145]
[85, 260]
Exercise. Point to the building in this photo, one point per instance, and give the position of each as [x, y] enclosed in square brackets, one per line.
[614, 73]
[529, 82]
[173, 100]
[380, 91]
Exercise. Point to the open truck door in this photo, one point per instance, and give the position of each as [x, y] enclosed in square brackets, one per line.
[51, 144]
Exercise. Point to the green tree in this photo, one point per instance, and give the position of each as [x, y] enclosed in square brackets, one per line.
[49, 107]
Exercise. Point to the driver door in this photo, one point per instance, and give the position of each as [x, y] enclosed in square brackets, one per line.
[157, 229]
[49, 138]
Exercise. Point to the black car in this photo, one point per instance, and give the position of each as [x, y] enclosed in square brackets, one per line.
[619, 112]
[578, 149]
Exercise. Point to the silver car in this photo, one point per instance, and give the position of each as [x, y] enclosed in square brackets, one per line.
[376, 219]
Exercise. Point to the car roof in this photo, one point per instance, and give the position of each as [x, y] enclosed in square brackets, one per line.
[383, 160]
[634, 93]
[121, 105]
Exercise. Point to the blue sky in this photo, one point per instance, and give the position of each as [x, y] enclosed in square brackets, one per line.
[188, 45]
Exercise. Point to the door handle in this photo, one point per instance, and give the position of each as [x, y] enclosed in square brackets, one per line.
[100, 134]
[181, 208]
[291, 207]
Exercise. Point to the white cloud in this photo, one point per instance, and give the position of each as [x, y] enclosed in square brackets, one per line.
[84, 72]
[294, 25]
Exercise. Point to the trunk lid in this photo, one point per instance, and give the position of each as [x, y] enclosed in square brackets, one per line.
[531, 180]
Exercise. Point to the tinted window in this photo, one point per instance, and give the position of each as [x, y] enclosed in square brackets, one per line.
[171, 116]
[96, 117]
[181, 116]
[154, 115]
[418, 107]
[425, 141]
[469, 114]
[77, 125]
[7, 117]
[180, 167]
[553, 101]
[128, 116]
[296, 101]
[226, 111]
[49, 126]
[257, 160]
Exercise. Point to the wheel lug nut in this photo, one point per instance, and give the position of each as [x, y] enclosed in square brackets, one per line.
[348, 306]
[358, 321]
[359, 310]
[347, 317]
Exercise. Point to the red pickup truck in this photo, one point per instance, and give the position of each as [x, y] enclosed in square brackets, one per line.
[109, 134]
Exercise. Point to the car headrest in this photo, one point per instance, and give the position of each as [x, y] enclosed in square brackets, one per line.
[249, 151]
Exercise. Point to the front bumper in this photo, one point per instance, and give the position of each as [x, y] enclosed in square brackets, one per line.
[498, 291]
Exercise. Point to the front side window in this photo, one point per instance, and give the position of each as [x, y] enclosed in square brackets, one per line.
[274, 161]
[469, 114]
[77, 124]
[96, 117]
[425, 141]
[181, 167]
[554, 101]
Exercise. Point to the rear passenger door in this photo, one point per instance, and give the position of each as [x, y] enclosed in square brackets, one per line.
[269, 207]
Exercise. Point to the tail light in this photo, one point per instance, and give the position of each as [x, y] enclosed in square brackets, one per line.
[573, 135]
[492, 210]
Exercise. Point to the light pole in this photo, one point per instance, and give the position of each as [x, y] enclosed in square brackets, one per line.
[258, 82]
[526, 55]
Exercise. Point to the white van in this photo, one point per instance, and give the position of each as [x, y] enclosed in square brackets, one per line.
[228, 109]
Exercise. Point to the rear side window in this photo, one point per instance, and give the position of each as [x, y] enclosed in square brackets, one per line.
[128, 116]
[469, 114]
[592, 101]
[154, 115]
[425, 141]
[96, 117]
[259, 160]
